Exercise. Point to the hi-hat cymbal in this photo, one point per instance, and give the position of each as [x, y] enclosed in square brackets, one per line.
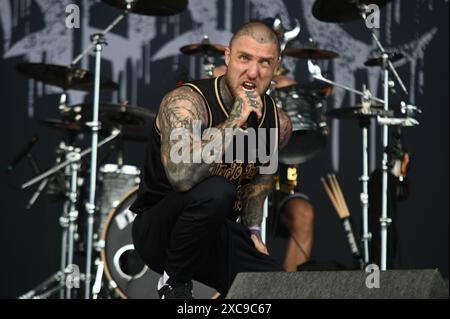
[134, 122]
[208, 49]
[310, 53]
[359, 112]
[151, 7]
[341, 10]
[394, 57]
[67, 78]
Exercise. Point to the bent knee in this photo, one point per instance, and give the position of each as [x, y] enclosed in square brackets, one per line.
[299, 211]
[216, 194]
[217, 189]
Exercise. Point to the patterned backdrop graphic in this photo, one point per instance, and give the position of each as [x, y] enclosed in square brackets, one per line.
[142, 55]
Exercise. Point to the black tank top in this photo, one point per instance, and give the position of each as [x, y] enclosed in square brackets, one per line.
[154, 184]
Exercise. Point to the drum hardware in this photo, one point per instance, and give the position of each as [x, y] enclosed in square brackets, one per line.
[68, 223]
[206, 49]
[316, 72]
[43, 291]
[363, 113]
[68, 218]
[134, 121]
[128, 122]
[341, 11]
[378, 61]
[387, 67]
[159, 8]
[302, 104]
[289, 182]
[65, 77]
[98, 41]
[115, 133]
[310, 53]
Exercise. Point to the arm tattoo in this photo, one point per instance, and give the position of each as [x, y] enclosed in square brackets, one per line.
[285, 128]
[236, 112]
[253, 198]
[179, 109]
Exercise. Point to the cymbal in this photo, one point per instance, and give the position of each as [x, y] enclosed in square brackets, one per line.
[316, 89]
[208, 49]
[67, 78]
[394, 57]
[341, 10]
[310, 53]
[134, 122]
[64, 124]
[358, 112]
[151, 8]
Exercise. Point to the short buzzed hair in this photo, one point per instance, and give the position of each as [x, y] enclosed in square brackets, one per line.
[258, 31]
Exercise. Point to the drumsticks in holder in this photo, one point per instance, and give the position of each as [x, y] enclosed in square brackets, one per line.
[336, 196]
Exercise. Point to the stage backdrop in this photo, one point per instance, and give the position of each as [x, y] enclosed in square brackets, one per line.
[143, 56]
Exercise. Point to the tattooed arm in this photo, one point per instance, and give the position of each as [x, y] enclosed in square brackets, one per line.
[252, 199]
[256, 192]
[285, 128]
[179, 109]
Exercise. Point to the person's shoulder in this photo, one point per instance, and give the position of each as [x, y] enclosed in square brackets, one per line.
[180, 93]
[184, 99]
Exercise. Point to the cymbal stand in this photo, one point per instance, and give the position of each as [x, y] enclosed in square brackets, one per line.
[208, 66]
[98, 40]
[364, 124]
[387, 67]
[68, 223]
[67, 220]
[74, 156]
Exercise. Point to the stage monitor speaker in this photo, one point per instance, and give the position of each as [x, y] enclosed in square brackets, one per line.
[391, 284]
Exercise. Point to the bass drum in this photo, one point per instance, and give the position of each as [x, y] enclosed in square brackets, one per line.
[124, 269]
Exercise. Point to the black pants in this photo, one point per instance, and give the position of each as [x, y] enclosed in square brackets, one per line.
[192, 235]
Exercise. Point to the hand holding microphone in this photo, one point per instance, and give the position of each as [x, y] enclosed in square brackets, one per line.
[254, 105]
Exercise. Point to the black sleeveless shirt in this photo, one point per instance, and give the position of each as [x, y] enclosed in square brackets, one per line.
[154, 184]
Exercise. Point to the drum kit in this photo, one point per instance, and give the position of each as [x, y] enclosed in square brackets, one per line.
[116, 124]
[108, 242]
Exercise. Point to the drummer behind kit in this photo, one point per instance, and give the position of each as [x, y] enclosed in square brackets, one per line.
[109, 233]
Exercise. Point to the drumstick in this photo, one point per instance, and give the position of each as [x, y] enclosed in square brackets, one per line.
[337, 198]
[340, 195]
[332, 197]
[336, 194]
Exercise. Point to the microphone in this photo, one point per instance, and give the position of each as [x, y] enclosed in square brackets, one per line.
[24, 152]
[252, 119]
